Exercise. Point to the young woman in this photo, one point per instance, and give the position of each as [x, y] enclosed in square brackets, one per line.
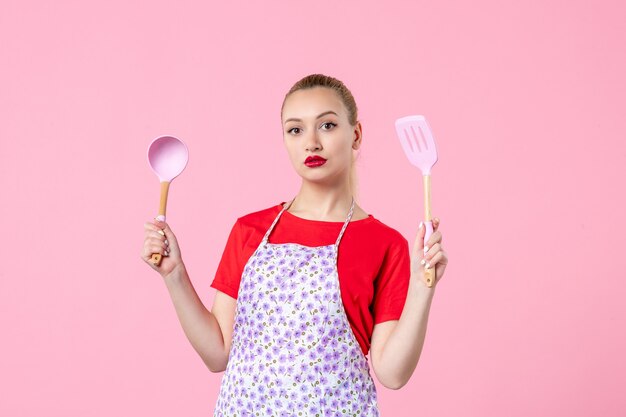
[306, 288]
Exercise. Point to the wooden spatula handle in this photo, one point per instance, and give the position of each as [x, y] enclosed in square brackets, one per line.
[429, 274]
[165, 185]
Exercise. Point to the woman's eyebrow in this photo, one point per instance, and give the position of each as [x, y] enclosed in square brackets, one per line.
[320, 115]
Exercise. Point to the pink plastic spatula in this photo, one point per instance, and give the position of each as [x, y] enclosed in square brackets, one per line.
[167, 157]
[419, 146]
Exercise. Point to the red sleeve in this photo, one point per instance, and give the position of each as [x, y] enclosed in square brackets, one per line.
[231, 265]
[392, 284]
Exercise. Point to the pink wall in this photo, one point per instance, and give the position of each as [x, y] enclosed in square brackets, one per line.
[526, 100]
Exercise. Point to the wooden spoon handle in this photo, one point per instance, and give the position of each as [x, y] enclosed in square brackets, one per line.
[156, 257]
[429, 274]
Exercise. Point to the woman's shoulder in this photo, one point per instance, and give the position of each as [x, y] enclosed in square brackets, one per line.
[374, 229]
[265, 215]
[383, 230]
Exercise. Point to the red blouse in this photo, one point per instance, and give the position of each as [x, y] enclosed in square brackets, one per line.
[373, 262]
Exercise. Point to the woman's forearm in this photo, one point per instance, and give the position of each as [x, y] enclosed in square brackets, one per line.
[199, 324]
[403, 348]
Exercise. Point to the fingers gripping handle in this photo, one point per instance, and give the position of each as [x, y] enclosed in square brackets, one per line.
[429, 273]
[165, 185]
[156, 257]
[428, 232]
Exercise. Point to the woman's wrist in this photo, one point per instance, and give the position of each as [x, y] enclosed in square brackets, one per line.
[177, 274]
[418, 287]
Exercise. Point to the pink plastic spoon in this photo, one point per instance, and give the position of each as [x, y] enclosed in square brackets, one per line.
[167, 157]
[419, 146]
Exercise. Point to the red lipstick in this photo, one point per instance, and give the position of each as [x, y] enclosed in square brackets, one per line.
[314, 161]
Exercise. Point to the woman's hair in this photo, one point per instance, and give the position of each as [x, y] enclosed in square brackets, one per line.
[321, 80]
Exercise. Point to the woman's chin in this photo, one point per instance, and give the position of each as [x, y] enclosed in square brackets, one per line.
[319, 179]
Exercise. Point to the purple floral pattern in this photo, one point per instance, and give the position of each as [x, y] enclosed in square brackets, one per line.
[293, 352]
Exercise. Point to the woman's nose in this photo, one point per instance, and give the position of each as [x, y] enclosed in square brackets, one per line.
[312, 142]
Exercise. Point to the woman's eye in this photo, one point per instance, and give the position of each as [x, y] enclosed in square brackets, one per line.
[329, 123]
[290, 130]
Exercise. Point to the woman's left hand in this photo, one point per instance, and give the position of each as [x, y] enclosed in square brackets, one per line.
[435, 256]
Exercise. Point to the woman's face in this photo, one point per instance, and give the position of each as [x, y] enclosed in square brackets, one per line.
[315, 123]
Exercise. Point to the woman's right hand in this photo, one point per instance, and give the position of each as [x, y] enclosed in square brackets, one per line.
[165, 244]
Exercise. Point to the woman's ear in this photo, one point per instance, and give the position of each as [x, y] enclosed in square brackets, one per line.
[358, 136]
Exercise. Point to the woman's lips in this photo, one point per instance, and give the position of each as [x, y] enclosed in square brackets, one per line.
[314, 161]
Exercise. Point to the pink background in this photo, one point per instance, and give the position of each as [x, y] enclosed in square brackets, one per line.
[526, 101]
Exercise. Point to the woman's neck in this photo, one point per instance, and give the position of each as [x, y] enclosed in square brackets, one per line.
[315, 202]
